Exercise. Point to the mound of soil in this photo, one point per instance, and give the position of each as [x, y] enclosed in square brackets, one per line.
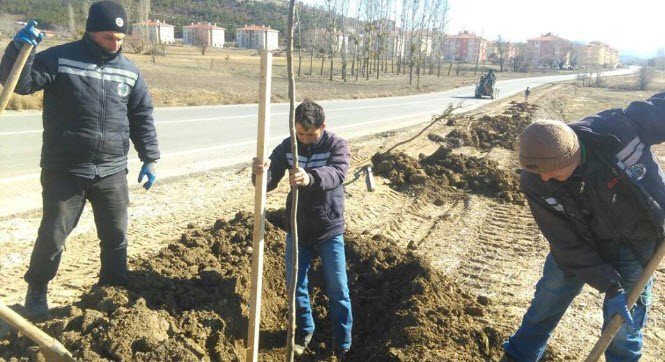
[190, 302]
[492, 131]
[443, 173]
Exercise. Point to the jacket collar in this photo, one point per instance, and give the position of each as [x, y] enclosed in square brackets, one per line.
[99, 55]
[308, 149]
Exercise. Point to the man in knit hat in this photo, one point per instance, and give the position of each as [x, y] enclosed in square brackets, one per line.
[598, 197]
[95, 101]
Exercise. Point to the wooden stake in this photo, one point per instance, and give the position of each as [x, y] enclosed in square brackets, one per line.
[294, 189]
[50, 347]
[616, 321]
[259, 208]
[14, 76]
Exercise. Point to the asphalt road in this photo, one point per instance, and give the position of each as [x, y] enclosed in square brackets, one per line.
[193, 139]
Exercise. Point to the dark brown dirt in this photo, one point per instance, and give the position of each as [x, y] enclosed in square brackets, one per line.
[487, 131]
[443, 175]
[190, 302]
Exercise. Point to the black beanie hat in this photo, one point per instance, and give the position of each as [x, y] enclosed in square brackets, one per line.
[106, 16]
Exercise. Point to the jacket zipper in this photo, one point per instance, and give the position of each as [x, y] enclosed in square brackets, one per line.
[623, 238]
[101, 124]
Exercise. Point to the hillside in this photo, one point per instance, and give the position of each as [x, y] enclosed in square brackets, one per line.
[229, 14]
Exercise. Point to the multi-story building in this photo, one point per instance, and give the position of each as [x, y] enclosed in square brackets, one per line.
[550, 50]
[493, 51]
[156, 31]
[203, 34]
[600, 54]
[257, 37]
[465, 47]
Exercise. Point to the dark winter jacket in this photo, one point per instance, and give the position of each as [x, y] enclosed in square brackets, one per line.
[321, 204]
[617, 196]
[93, 104]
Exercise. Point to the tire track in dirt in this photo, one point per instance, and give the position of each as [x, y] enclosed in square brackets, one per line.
[504, 237]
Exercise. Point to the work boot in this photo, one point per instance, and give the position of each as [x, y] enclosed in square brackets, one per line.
[341, 355]
[301, 345]
[36, 305]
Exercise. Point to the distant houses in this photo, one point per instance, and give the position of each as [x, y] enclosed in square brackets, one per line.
[156, 30]
[203, 34]
[549, 49]
[599, 54]
[257, 37]
[465, 46]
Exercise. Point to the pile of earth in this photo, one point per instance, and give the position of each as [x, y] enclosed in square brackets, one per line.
[443, 174]
[190, 302]
[491, 131]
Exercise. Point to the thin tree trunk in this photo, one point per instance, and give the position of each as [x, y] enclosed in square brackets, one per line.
[294, 190]
[299, 45]
[311, 61]
[418, 73]
[353, 61]
[358, 65]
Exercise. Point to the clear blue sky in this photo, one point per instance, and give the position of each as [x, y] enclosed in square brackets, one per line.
[635, 27]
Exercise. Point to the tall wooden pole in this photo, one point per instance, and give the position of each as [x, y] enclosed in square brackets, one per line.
[294, 189]
[259, 207]
[14, 76]
[616, 321]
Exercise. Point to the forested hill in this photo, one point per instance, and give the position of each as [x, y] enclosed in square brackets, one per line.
[229, 14]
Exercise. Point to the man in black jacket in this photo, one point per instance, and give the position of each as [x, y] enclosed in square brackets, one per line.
[598, 195]
[95, 101]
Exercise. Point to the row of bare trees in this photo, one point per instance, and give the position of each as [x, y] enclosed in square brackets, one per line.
[396, 36]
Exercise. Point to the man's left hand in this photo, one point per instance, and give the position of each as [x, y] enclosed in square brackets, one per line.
[618, 305]
[299, 177]
[148, 169]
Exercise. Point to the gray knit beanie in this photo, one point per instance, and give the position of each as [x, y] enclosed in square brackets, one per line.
[547, 145]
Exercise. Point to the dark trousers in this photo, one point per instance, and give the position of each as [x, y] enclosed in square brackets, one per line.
[64, 196]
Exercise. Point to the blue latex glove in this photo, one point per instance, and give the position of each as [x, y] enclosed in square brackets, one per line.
[148, 169]
[618, 305]
[28, 35]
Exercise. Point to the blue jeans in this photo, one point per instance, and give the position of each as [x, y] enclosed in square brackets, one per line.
[333, 263]
[555, 292]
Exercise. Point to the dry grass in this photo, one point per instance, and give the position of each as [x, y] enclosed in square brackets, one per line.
[21, 103]
[617, 92]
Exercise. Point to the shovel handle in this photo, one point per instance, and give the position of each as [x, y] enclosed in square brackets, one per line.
[14, 76]
[50, 347]
[616, 321]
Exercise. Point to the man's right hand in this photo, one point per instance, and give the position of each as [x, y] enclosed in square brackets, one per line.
[28, 35]
[257, 168]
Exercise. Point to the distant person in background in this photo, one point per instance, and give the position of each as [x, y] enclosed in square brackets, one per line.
[95, 101]
[527, 92]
